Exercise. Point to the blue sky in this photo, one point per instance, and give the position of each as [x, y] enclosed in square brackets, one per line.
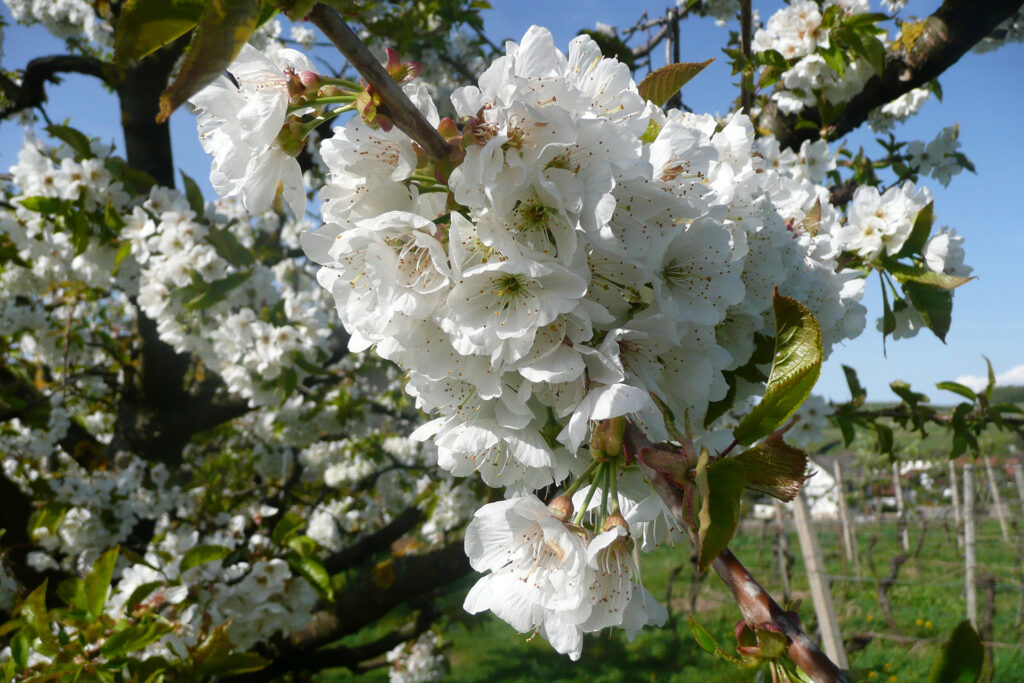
[981, 92]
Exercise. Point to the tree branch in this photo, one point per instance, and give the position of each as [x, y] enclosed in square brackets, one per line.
[945, 36]
[31, 93]
[375, 542]
[404, 113]
[756, 605]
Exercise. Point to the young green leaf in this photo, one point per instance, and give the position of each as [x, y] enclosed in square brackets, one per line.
[314, 572]
[202, 554]
[774, 468]
[795, 370]
[920, 232]
[98, 582]
[194, 195]
[661, 85]
[721, 486]
[934, 304]
[74, 139]
[958, 388]
[961, 658]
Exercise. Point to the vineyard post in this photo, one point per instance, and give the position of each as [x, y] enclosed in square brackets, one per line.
[849, 534]
[1018, 477]
[997, 500]
[782, 549]
[901, 508]
[831, 636]
[969, 545]
[957, 509]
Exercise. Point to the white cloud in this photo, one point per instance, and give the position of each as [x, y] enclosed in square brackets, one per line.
[1014, 375]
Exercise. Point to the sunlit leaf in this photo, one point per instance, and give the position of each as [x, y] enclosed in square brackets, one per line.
[661, 85]
[223, 28]
[795, 370]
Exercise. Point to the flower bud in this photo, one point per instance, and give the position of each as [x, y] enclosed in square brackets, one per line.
[561, 508]
[616, 520]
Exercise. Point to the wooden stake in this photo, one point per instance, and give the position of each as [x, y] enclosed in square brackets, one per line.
[849, 534]
[969, 545]
[831, 636]
[1018, 477]
[901, 508]
[782, 549]
[997, 500]
[954, 486]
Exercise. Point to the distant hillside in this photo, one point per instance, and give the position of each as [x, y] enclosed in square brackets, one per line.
[1010, 394]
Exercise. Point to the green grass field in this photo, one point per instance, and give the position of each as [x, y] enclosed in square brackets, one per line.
[927, 601]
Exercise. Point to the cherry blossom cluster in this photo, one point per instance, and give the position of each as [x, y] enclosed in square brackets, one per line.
[71, 310]
[588, 258]
[797, 32]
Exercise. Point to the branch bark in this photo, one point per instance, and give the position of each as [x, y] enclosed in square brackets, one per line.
[404, 113]
[42, 70]
[945, 36]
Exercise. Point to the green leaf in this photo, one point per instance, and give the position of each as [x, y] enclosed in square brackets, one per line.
[856, 390]
[202, 554]
[33, 611]
[134, 638]
[315, 573]
[218, 290]
[661, 85]
[795, 369]
[72, 592]
[774, 468]
[885, 438]
[233, 664]
[229, 248]
[303, 545]
[73, 139]
[287, 526]
[651, 134]
[934, 304]
[834, 57]
[958, 388]
[98, 582]
[991, 384]
[147, 25]
[961, 658]
[704, 639]
[224, 26]
[194, 196]
[20, 649]
[921, 275]
[920, 232]
[141, 593]
[44, 205]
[720, 486]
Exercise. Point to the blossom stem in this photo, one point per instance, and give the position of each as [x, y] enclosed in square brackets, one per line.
[404, 113]
[590, 495]
[582, 478]
[614, 486]
[333, 99]
[323, 118]
[343, 82]
[602, 513]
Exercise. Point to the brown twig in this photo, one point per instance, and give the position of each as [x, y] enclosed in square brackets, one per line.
[403, 112]
[755, 604]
